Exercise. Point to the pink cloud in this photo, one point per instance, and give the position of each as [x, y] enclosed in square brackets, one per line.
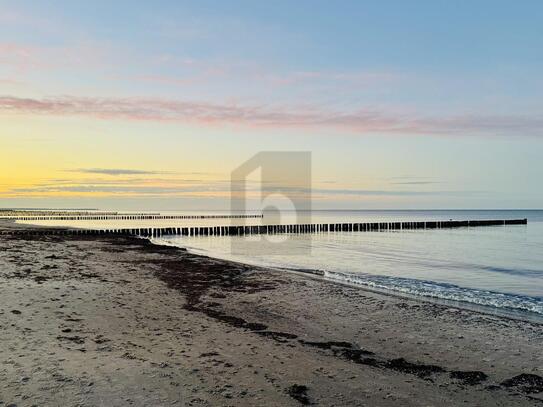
[359, 122]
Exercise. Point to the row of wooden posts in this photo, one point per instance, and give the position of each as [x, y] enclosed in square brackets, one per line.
[132, 217]
[272, 229]
[14, 213]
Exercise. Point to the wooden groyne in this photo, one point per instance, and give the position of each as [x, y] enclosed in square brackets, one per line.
[130, 217]
[13, 212]
[270, 229]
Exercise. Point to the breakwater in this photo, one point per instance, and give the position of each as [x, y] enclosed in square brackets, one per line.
[129, 217]
[269, 229]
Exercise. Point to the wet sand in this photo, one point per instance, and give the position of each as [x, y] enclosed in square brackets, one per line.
[118, 321]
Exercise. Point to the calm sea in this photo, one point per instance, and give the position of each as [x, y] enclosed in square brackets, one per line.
[494, 267]
[499, 269]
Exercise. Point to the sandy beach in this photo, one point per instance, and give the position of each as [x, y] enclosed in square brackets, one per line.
[90, 321]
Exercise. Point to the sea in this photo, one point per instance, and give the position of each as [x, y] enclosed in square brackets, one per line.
[495, 269]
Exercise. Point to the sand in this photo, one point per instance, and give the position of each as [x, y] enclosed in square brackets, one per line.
[119, 321]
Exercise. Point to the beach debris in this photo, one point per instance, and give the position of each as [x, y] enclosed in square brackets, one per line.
[470, 378]
[100, 339]
[75, 339]
[299, 392]
[278, 336]
[209, 354]
[328, 344]
[420, 370]
[40, 279]
[255, 326]
[526, 383]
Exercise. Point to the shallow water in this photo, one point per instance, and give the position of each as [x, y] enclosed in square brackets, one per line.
[498, 267]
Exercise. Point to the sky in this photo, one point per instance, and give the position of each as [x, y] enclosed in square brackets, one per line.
[154, 105]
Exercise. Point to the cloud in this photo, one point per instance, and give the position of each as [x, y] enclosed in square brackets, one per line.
[415, 183]
[413, 180]
[164, 187]
[361, 122]
[409, 177]
[372, 192]
[113, 171]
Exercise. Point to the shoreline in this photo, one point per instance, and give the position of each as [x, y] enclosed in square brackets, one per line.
[253, 336]
[513, 314]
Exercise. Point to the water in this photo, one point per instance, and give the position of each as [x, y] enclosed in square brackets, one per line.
[493, 268]
[498, 268]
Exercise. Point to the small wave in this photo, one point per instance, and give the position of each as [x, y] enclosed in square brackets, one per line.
[443, 291]
[499, 301]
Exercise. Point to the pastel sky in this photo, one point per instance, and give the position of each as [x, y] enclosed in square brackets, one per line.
[152, 105]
